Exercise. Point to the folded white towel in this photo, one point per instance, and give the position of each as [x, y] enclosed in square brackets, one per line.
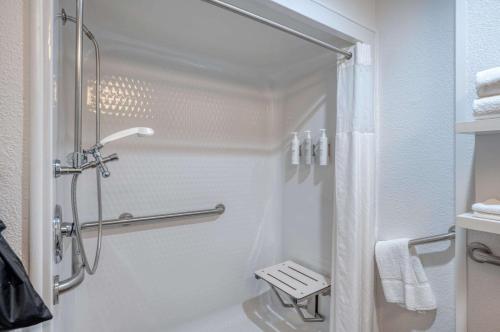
[487, 106]
[403, 277]
[490, 206]
[488, 82]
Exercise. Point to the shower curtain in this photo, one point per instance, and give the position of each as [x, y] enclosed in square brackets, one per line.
[352, 307]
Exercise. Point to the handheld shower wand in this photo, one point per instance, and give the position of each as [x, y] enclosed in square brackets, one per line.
[139, 131]
[95, 150]
[100, 164]
[79, 158]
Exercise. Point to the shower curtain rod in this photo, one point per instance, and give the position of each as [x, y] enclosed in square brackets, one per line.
[278, 26]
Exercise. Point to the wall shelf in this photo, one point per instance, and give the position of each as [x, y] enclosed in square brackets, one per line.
[469, 221]
[479, 127]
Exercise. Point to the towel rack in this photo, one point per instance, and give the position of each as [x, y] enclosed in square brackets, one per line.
[434, 238]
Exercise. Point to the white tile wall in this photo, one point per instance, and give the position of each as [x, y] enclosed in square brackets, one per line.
[216, 141]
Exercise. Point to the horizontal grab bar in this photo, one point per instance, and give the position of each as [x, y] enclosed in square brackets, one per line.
[218, 210]
[434, 238]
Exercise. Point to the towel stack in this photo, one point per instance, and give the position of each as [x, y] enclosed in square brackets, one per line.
[489, 209]
[487, 105]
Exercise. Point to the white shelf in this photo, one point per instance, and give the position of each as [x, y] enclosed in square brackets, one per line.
[469, 221]
[479, 127]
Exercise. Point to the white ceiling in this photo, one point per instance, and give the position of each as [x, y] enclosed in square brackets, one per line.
[202, 30]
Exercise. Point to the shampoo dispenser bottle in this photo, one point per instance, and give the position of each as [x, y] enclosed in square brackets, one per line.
[323, 148]
[295, 148]
[307, 147]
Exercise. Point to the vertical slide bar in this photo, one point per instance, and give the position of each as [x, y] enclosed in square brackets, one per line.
[78, 83]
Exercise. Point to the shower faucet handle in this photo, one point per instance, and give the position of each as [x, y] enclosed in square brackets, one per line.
[100, 164]
[94, 164]
[99, 161]
[103, 169]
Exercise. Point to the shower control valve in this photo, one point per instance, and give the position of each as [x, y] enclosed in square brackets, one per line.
[99, 161]
[101, 166]
[76, 159]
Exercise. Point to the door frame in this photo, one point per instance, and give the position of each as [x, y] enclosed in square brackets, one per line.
[41, 180]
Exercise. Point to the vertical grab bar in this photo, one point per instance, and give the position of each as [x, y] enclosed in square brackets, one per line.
[78, 273]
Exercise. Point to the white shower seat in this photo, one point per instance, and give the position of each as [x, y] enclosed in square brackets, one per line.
[299, 283]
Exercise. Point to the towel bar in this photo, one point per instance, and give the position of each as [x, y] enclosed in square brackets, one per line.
[434, 238]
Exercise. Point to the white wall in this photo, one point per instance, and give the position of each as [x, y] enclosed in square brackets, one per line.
[416, 146]
[13, 31]
[482, 52]
[308, 191]
[212, 144]
[349, 20]
[14, 189]
[217, 140]
[360, 11]
[14, 171]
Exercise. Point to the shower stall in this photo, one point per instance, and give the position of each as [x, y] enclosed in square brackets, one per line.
[222, 92]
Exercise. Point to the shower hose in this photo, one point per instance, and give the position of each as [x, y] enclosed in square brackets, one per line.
[91, 269]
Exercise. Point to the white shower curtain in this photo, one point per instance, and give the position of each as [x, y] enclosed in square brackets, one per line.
[354, 229]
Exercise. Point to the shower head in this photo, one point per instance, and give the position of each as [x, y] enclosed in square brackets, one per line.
[95, 151]
[139, 131]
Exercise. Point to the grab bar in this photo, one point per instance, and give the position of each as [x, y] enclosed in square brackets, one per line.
[434, 238]
[130, 220]
[481, 253]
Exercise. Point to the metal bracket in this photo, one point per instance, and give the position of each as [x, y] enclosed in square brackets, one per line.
[60, 229]
[315, 148]
[64, 170]
[77, 159]
[58, 236]
[300, 307]
[77, 276]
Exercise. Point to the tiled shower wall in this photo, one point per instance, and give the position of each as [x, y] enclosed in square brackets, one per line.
[218, 139]
[308, 191]
[213, 144]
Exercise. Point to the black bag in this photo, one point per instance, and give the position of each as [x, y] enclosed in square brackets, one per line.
[20, 305]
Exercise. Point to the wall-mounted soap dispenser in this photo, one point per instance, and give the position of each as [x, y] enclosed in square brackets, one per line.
[323, 148]
[308, 147]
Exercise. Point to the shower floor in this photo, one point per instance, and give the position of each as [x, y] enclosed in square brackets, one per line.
[262, 313]
[228, 320]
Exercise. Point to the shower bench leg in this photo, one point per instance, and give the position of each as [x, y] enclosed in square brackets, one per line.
[300, 307]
